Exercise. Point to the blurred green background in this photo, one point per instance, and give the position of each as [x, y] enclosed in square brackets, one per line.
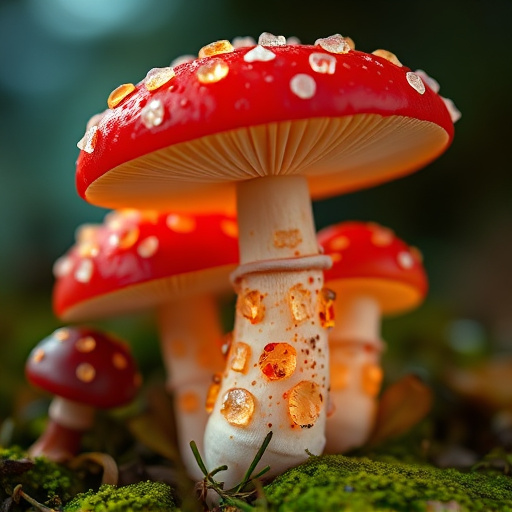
[59, 60]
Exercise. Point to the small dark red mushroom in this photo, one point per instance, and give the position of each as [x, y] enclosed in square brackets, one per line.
[86, 370]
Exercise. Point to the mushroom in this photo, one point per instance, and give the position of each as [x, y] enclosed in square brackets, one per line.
[85, 369]
[374, 273]
[177, 264]
[274, 125]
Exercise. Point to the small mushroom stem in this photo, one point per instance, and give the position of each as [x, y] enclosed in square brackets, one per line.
[357, 318]
[190, 335]
[355, 372]
[67, 422]
[276, 378]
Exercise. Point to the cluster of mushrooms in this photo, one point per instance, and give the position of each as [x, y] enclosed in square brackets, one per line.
[210, 166]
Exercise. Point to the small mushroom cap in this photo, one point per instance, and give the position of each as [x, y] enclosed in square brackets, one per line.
[369, 259]
[345, 120]
[138, 260]
[86, 366]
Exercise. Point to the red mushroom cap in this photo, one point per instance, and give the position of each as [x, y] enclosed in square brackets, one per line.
[85, 366]
[346, 120]
[369, 259]
[137, 260]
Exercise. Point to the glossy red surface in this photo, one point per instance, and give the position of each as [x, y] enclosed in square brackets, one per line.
[132, 249]
[254, 93]
[54, 366]
[367, 251]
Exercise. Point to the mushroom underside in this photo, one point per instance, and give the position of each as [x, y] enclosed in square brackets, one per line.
[336, 155]
[144, 296]
[393, 297]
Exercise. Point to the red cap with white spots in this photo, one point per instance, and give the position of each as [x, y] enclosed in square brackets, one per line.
[136, 260]
[186, 135]
[369, 259]
[85, 366]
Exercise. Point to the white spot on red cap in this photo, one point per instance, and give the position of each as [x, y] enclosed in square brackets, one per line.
[339, 243]
[84, 271]
[322, 63]
[88, 249]
[304, 86]
[95, 120]
[180, 223]
[85, 372]
[125, 239]
[88, 141]
[391, 57]
[62, 267]
[119, 361]
[334, 44]
[148, 247]
[336, 256]
[114, 239]
[87, 344]
[157, 77]
[212, 71]
[229, 228]
[86, 233]
[39, 355]
[405, 260]
[152, 114]
[62, 334]
[268, 39]
[118, 218]
[292, 40]
[259, 54]
[382, 236]
[454, 112]
[431, 82]
[241, 42]
[415, 82]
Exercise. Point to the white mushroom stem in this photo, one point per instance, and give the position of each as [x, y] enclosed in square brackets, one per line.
[70, 414]
[190, 336]
[276, 378]
[62, 436]
[357, 317]
[355, 348]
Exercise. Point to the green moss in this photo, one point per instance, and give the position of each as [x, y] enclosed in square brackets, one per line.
[140, 497]
[338, 483]
[45, 481]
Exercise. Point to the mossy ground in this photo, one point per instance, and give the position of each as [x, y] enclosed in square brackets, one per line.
[323, 484]
[140, 497]
[45, 481]
[338, 483]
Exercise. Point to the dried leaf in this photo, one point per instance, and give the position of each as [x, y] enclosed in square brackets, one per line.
[402, 405]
